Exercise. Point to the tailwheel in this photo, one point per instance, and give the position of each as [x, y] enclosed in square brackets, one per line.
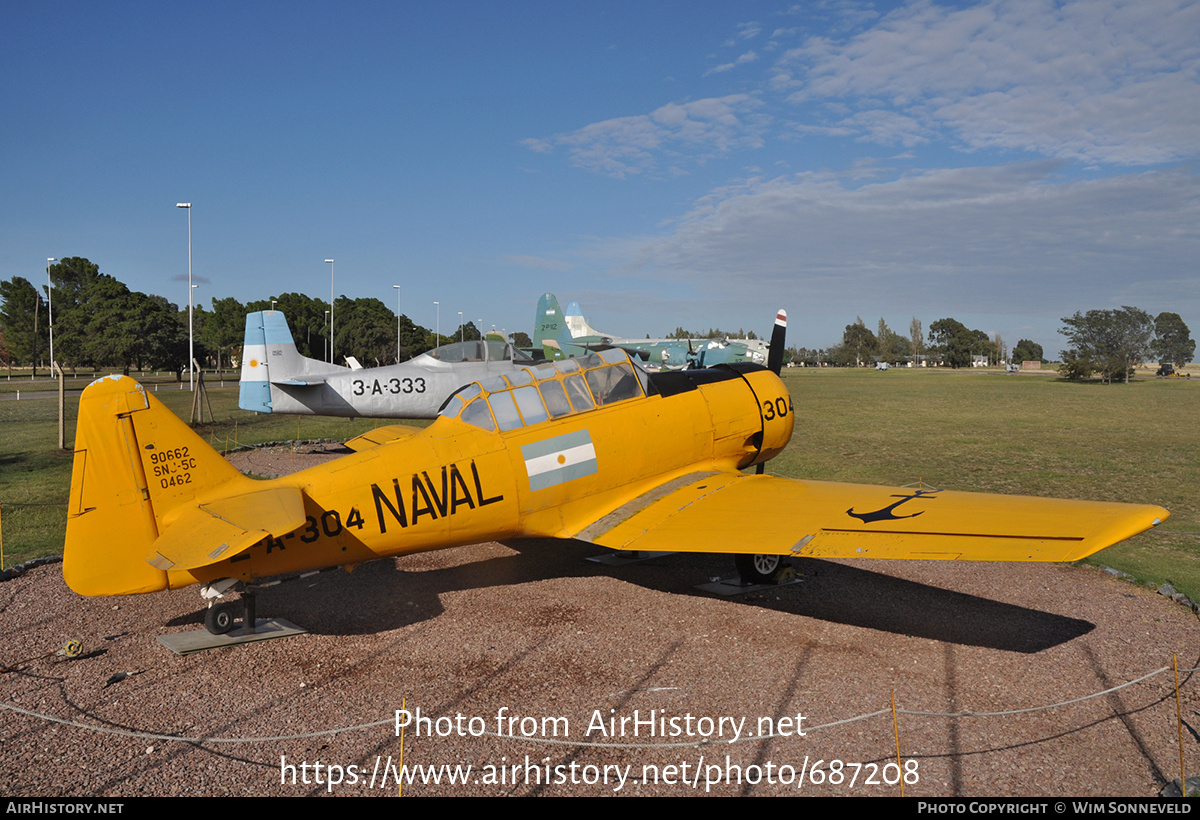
[220, 618]
[759, 569]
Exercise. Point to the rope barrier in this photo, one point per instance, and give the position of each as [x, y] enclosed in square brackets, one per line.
[580, 743]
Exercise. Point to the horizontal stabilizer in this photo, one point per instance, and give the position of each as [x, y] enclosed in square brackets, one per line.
[736, 513]
[216, 531]
[298, 382]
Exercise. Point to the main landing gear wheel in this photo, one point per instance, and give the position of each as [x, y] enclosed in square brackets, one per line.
[220, 618]
[759, 569]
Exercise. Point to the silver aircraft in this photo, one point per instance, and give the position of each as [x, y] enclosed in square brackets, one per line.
[277, 379]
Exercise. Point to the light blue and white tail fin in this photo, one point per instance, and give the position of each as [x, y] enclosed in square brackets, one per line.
[269, 356]
[576, 324]
[255, 390]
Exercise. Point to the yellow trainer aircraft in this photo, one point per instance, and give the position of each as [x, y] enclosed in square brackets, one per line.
[591, 448]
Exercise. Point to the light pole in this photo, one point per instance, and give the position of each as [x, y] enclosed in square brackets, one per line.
[50, 300]
[219, 354]
[330, 263]
[462, 331]
[191, 375]
[437, 339]
[397, 287]
[326, 337]
[273, 301]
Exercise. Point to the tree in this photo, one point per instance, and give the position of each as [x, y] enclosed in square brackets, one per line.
[1026, 351]
[161, 337]
[1112, 340]
[916, 339]
[467, 332]
[20, 320]
[110, 327]
[859, 341]
[1172, 340]
[72, 277]
[1075, 366]
[892, 346]
[951, 339]
[521, 339]
[366, 329]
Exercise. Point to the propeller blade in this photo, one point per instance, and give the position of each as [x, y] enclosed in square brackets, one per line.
[775, 355]
[778, 334]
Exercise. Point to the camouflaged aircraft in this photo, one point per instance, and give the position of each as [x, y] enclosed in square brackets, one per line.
[561, 335]
[277, 379]
[591, 448]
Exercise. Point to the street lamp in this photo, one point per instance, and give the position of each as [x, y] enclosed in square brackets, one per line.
[397, 287]
[193, 287]
[462, 331]
[437, 339]
[50, 300]
[273, 301]
[191, 375]
[330, 263]
[326, 338]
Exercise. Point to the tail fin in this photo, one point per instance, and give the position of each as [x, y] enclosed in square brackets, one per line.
[576, 324]
[254, 392]
[269, 356]
[549, 326]
[137, 469]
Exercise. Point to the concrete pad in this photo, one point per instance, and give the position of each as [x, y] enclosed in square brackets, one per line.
[185, 643]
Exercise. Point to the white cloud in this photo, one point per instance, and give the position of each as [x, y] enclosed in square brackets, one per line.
[996, 239]
[626, 146]
[748, 31]
[748, 57]
[1097, 81]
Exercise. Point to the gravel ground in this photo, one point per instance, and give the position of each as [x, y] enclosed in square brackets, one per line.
[532, 630]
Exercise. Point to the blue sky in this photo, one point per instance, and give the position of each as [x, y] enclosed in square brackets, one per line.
[696, 164]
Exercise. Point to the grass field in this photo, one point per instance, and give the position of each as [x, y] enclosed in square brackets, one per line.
[987, 432]
[1017, 434]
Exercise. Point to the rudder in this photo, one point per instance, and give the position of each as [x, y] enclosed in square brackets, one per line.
[254, 391]
[548, 322]
[137, 468]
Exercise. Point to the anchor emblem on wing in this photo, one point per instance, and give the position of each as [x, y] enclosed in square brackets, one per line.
[886, 514]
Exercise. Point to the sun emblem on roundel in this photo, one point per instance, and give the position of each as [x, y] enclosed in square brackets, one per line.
[254, 362]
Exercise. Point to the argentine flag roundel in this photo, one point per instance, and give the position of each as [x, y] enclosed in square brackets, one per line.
[558, 460]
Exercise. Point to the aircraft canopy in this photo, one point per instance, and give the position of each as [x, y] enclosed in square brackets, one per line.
[549, 391]
[493, 350]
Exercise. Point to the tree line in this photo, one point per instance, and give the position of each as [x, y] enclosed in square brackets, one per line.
[1108, 343]
[949, 342]
[99, 322]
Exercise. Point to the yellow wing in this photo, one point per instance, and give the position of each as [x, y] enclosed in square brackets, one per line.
[381, 435]
[736, 513]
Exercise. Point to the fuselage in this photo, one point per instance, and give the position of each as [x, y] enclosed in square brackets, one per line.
[542, 453]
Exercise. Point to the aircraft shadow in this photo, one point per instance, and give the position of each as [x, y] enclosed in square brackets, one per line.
[855, 596]
[387, 595]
